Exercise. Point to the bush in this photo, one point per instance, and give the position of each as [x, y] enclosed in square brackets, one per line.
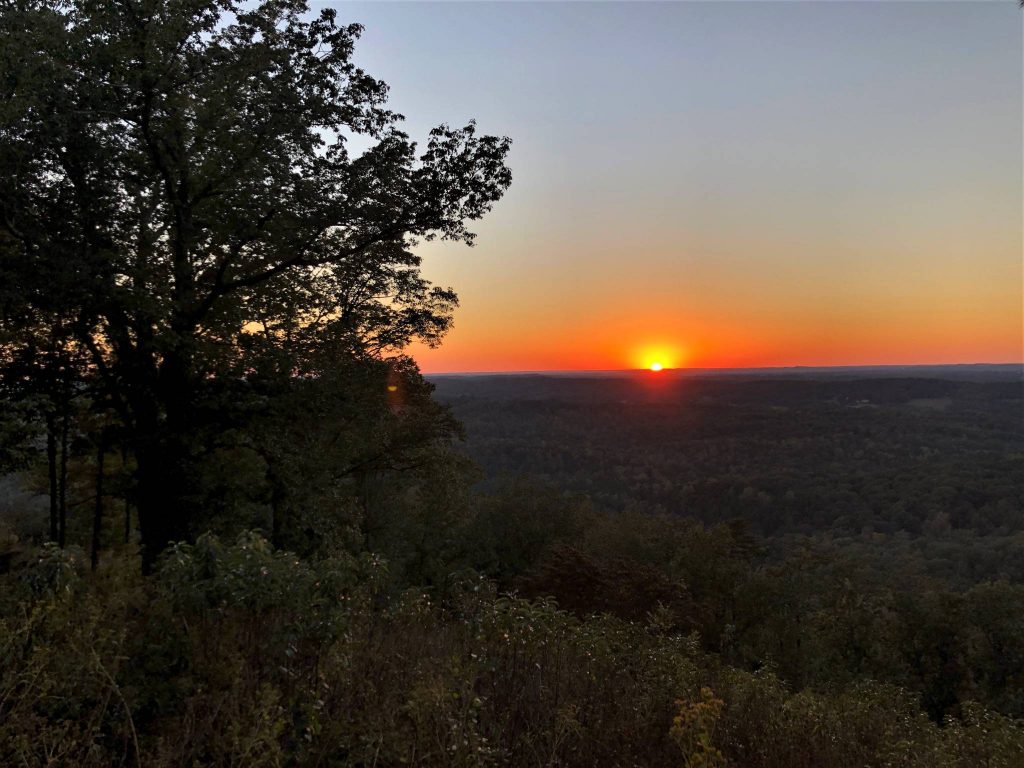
[240, 655]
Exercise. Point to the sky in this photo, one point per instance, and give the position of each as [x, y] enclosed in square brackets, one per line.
[724, 184]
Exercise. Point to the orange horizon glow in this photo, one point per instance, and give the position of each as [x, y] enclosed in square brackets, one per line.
[436, 364]
[722, 350]
[749, 307]
[754, 337]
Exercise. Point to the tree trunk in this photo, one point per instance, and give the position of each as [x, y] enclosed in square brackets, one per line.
[62, 505]
[51, 467]
[277, 512]
[162, 502]
[127, 501]
[165, 500]
[278, 506]
[97, 514]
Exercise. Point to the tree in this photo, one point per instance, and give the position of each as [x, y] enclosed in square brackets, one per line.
[177, 177]
[41, 377]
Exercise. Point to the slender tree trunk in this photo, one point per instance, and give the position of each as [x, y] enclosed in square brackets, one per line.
[278, 503]
[51, 471]
[127, 501]
[97, 514]
[62, 511]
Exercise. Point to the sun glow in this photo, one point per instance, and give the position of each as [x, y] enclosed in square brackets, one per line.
[657, 356]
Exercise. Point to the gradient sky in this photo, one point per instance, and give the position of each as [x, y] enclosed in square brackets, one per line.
[725, 184]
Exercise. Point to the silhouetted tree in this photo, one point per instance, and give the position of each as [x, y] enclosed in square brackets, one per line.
[183, 171]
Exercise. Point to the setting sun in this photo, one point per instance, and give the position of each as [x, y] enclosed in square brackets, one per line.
[656, 355]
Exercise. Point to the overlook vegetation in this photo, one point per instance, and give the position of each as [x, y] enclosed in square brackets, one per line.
[426, 614]
[239, 527]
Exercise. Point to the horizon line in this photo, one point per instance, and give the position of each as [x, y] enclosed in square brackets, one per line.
[695, 369]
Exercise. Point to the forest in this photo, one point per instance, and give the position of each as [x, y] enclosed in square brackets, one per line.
[239, 527]
[500, 600]
[892, 502]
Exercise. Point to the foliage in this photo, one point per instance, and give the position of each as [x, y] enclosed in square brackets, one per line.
[693, 730]
[241, 655]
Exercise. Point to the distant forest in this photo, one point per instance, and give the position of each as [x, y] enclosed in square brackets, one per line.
[891, 490]
[859, 457]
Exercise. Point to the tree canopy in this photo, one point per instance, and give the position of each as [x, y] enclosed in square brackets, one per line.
[180, 199]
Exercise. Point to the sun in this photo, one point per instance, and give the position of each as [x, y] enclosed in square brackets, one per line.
[657, 356]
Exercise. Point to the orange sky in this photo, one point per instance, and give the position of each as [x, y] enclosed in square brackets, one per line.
[943, 293]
